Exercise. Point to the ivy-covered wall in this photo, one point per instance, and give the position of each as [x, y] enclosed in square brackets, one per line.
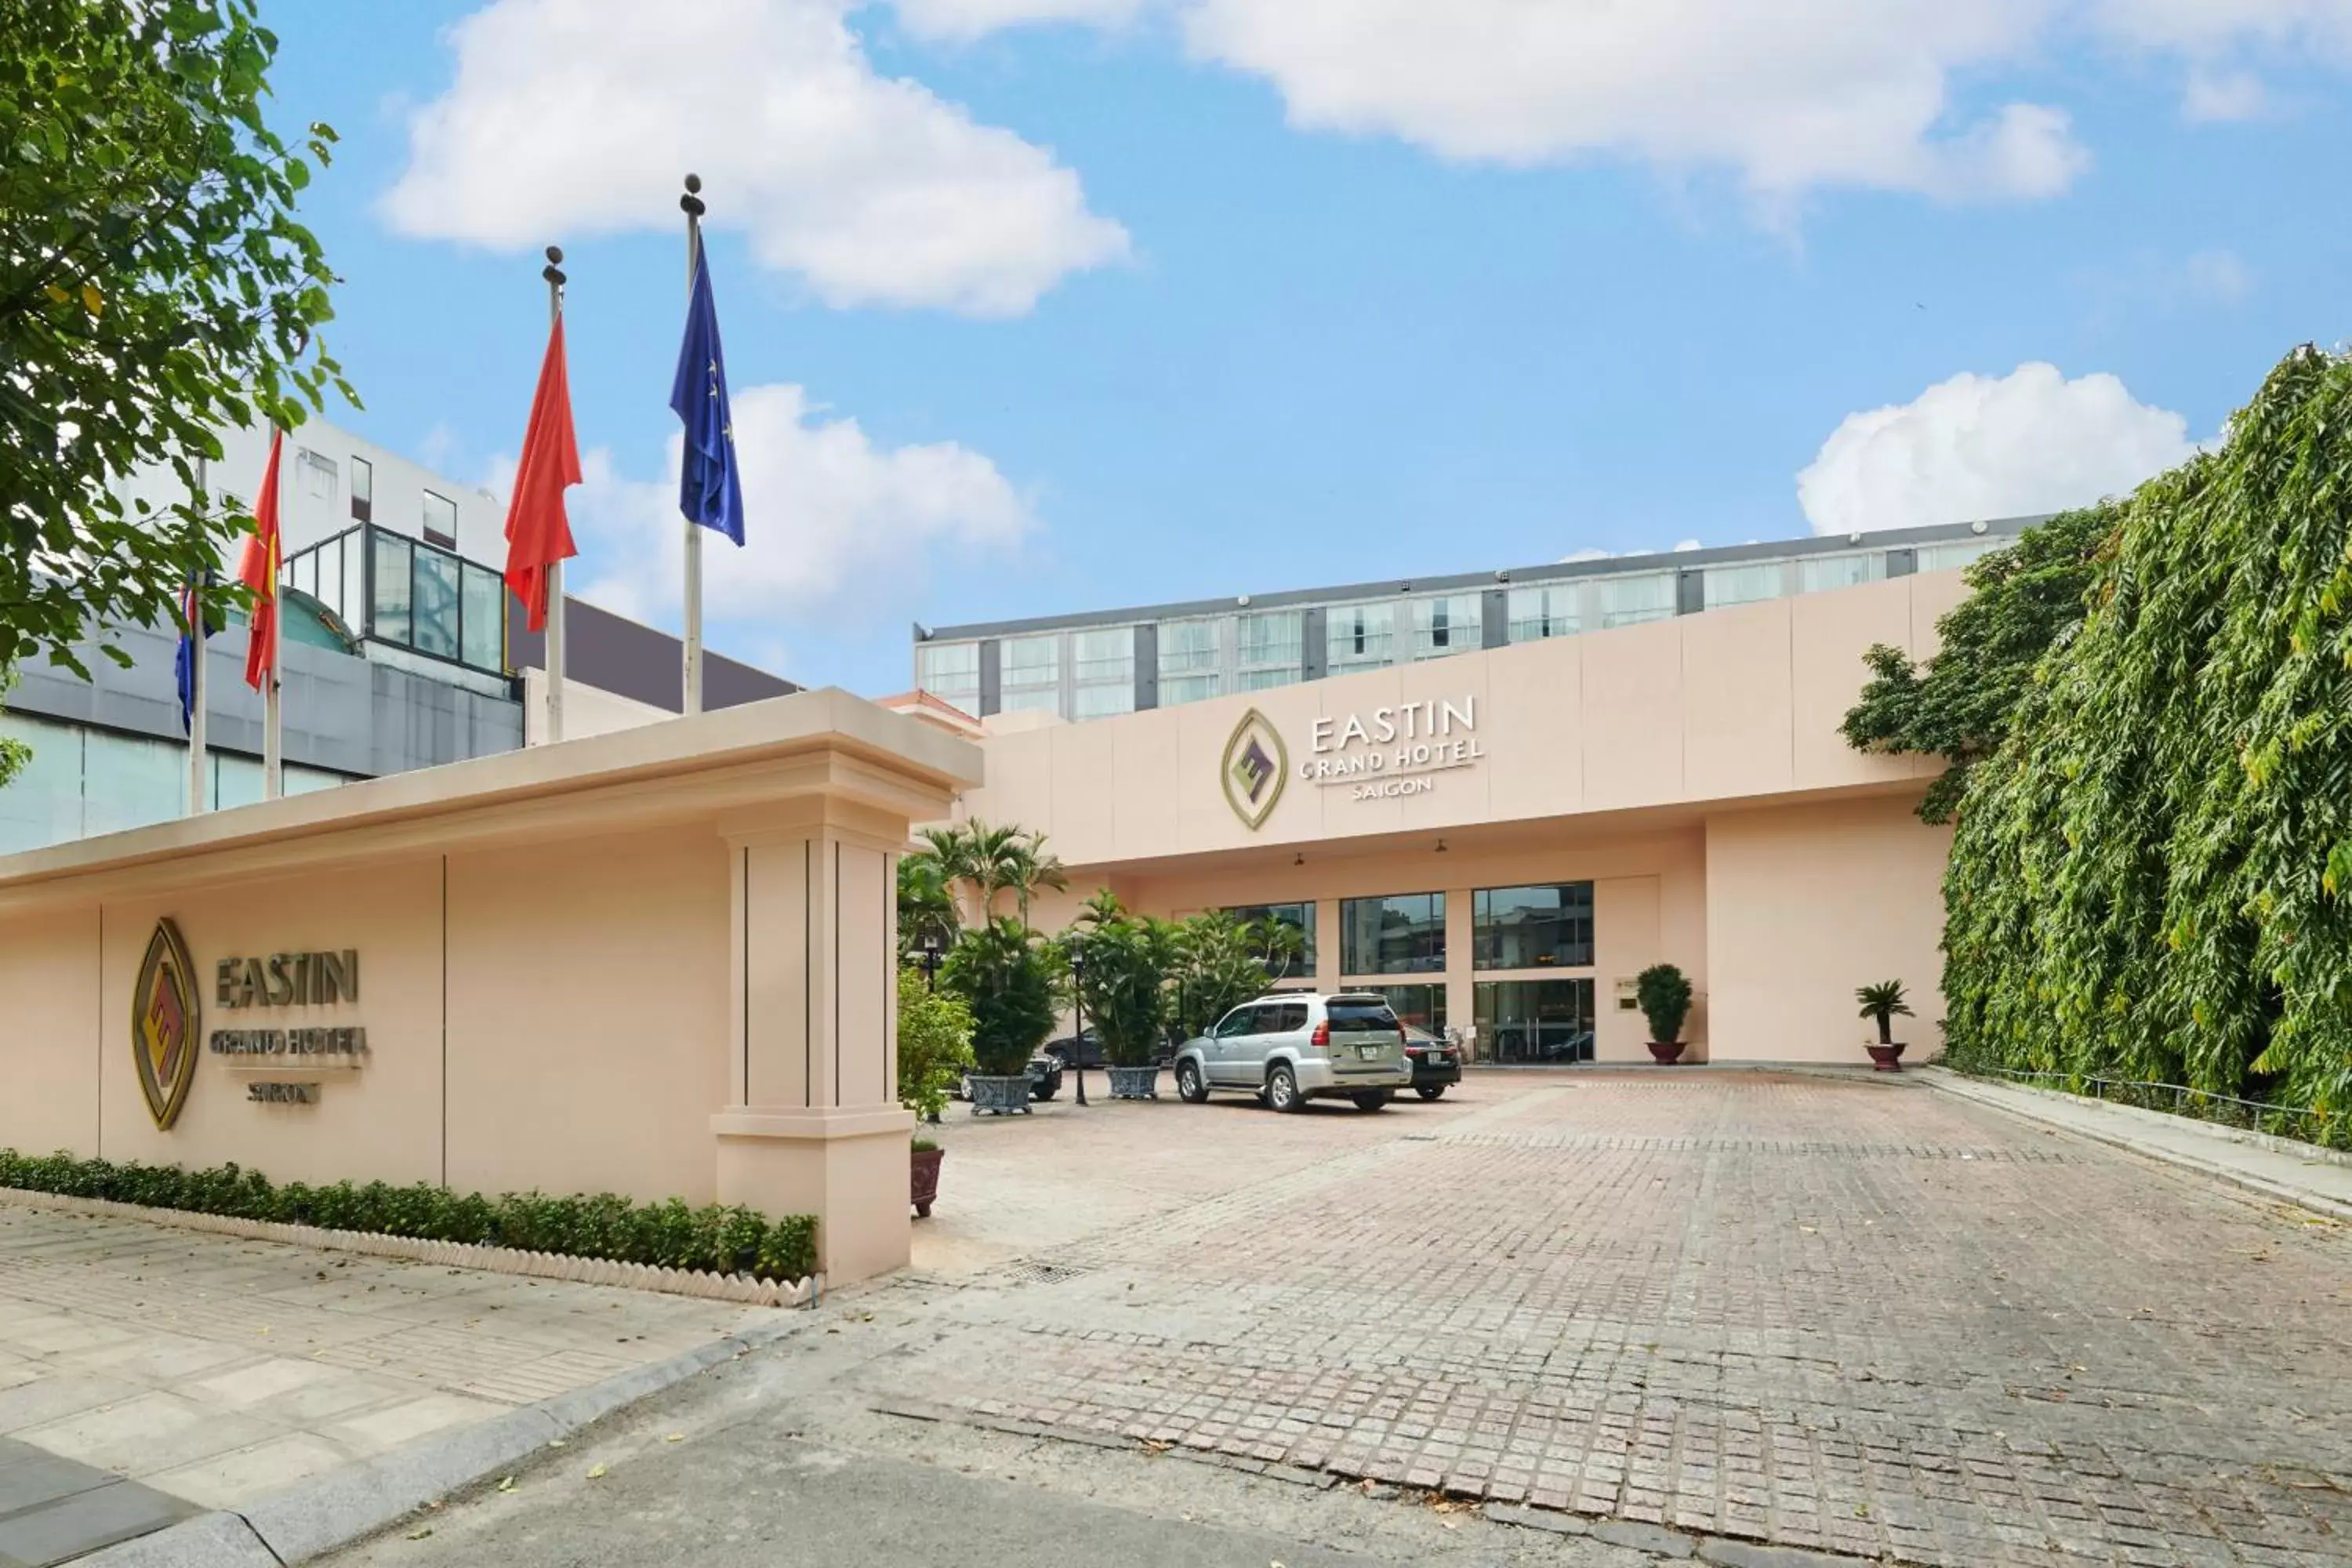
[2152, 862]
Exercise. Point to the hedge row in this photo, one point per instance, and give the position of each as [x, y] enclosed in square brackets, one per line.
[671, 1234]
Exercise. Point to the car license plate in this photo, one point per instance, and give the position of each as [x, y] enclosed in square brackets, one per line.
[1370, 1053]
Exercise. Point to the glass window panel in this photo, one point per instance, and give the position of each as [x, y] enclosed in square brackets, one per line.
[1299, 918]
[1271, 637]
[1817, 573]
[1728, 585]
[1628, 600]
[1036, 700]
[1533, 928]
[300, 780]
[440, 520]
[1267, 680]
[1535, 1020]
[353, 607]
[1190, 661]
[1031, 661]
[1446, 626]
[42, 805]
[949, 670]
[363, 491]
[390, 619]
[237, 781]
[1359, 636]
[483, 620]
[1102, 701]
[129, 781]
[1175, 689]
[1105, 655]
[1554, 611]
[435, 613]
[1945, 557]
[1403, 934]
[1423, 1007]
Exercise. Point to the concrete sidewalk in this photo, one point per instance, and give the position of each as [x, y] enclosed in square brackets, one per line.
[149, 1373]
[2318, 1179]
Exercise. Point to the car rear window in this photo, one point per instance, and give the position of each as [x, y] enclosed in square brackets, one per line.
[1361, 1017]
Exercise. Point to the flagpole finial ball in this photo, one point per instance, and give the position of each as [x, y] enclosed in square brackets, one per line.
[555, 255]
[694, 185]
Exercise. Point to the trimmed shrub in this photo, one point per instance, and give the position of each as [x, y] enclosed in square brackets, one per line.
[713, 1239]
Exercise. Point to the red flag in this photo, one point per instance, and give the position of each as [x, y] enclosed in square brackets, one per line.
[258, 570]
[537, 534]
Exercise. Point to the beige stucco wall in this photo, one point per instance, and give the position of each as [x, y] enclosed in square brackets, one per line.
[1807, 902]
[557, 955]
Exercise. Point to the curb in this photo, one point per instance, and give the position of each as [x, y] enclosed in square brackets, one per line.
[739, 1288]
[314, 1516]
[2029, 1104]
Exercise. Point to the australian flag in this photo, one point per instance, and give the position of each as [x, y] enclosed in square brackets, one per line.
[709, 490]
[194, 626]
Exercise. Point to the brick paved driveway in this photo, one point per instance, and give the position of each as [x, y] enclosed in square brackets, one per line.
[1848, 1315]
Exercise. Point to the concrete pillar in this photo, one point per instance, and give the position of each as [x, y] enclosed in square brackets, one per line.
[813, 1125]
[1461, 962]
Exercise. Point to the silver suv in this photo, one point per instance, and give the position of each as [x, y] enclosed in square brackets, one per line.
[1298, 1046]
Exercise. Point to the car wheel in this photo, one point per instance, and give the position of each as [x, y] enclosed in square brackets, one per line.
[1190, 1087]
[1282, 1088]
[1431, 1090]
[1373, 1099]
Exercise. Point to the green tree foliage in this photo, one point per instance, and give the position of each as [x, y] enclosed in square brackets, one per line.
[1004, 975]
[993, 861]
[14, 754]
[153, 284]
[1125, 980]
[1215, 969]
[1664, 993]
[934, 1044]
[926, 906]
[2149, 877]
[1959, 704]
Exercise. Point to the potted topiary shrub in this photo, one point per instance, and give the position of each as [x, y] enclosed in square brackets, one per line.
[1665, 996]
[934, 1051]
[1003, 976]
[1122, 986]
[1881, 1003]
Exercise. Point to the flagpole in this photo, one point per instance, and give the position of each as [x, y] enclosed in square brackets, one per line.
[273, 754]
[196, 754]
[553, 273]
[691, 204]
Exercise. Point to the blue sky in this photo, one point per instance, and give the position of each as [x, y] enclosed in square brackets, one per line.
[1035, 305]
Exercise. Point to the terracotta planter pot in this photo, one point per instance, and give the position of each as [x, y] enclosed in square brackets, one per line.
[1667, 1054]
[1885, 1059]
[924, 1188]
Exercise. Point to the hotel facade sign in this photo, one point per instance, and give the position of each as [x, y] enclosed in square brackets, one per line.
[1255, 767]
[165, 1025]
[1383, 754]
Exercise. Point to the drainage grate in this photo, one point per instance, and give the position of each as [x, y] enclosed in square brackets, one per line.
[1040, 1272]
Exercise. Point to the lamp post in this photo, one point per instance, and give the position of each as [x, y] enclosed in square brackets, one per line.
[1078, 1002]
[930, 960]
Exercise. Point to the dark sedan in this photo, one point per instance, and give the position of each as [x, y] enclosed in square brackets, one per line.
[1436, 1064]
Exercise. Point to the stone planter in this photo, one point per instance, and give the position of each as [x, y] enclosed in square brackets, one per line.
[1667, 1054]
[924, 1188]
[1885, 1059]
[1004, 1096]
[1134, 1083]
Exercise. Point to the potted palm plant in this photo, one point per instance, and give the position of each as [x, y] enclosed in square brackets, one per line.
[1881, 1003]
[1000, 971]
[1123, 988]
[934, 1051]
[1664, 993]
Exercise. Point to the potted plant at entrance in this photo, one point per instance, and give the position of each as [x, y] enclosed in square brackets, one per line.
[934, 1051]
[1122, 986]
[1003, 976]
[1663, 994]
[1881, 1003]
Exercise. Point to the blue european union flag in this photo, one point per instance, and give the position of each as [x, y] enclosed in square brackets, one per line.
[710, 490]
[195, 625]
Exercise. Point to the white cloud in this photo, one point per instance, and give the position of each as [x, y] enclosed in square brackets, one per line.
[1588, 553]
[2220, 276]
[570, 118]
[2217, 96]
[960, 20]
[834, 523]
[1984, 447]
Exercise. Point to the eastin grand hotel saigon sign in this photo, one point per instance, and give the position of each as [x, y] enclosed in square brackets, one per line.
[1381, 753]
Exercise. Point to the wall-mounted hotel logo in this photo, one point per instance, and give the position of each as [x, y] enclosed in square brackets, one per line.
[286, 1065]
[165, 1024]
[1256, 765]
[1388, 753]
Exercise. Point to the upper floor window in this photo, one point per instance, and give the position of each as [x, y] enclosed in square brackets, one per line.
[1817, 573]
[1555, 610]
[1031, 668]
[1445, 626]
[1533, 928]
[950, 671]
[1359, 636]
[1641, 597]
[1192, 664]
[1270, 648]
[319, 476]
[1728, 585]
[440, 520]
[1945, 557]
[1104, 656]
[363, 491]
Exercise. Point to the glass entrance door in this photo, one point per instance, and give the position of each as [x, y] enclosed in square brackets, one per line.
[1535, 1021]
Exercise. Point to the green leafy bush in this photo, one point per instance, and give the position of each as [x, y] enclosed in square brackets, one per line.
[1664, 993]
[1004, 976]
[1215, 968]
[1126, 967]
[934, 1044]
[2151, 876]
[714, 1240]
